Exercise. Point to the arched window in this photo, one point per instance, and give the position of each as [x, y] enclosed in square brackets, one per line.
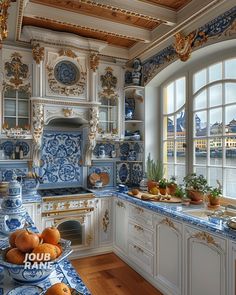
[206, 99]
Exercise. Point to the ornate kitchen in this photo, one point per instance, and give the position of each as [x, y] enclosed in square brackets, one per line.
[118, 147]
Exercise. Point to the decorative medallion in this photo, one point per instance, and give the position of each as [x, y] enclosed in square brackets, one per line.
[109, 83]
[205, 237]
[38, 53]
[66, 73]
[169, 222]
[16, 71]
[183, 45]
[94, 61]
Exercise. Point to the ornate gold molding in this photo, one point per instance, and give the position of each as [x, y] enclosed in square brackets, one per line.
[38, 53]
[37, 124]
[89, 239]
[94, 61]
[67, 112]
[67, 52]
[183, 45]
[16, 71]
[4, 5]
[170, 223]
[105, 221]
[205, 237]
[109, 82]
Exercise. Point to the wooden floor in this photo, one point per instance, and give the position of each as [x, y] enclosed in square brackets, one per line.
[108, 275]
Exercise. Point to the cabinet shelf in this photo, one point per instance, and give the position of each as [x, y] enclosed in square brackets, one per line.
[133, 121]
[8, 161]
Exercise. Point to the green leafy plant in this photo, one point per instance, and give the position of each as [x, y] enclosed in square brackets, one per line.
[196, 182]
[163, 183]
[172, 180]
[155, 170]
[180, 192]
[215, 192]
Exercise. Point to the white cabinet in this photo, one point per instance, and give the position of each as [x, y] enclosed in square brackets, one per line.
[232, 268]
[105, 221]
[206, 262]
[34, 211]
[168, 259]
[120, 225]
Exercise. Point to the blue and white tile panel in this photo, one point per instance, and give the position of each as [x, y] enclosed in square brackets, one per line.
[107, 167]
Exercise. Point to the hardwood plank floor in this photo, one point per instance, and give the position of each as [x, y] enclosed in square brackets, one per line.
[108, 275]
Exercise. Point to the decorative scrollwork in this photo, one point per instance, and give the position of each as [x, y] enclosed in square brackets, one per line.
[38, 124]
[183, 45]
[4, 6]
[109, 82]
[205, 237]
[67, 52]
[105, 221]
[169, 222]
[89, 239]
[94, 61]
[38, 53]
[67, 112]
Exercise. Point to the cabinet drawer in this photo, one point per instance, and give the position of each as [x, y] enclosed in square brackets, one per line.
[141, 257]
[141, 235]
[142, 216]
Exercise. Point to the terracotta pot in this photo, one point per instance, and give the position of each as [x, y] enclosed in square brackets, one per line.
[171, 189]
[163, 191]
[195, 195]
[151, 184]
[214, 201]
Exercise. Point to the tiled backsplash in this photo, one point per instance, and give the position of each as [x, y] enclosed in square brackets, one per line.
[61, 157]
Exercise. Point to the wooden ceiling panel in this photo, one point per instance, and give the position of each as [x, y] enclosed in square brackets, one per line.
[173, 4]
[100, 11]
[84, 32]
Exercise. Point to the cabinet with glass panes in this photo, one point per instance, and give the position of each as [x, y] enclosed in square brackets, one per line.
[16, 108]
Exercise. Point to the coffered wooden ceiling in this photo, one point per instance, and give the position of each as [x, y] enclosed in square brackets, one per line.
[130, 26]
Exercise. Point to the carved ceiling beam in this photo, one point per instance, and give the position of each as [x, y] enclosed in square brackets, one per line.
[90, 23]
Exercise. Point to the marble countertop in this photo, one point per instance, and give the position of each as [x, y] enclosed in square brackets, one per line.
[64, 272]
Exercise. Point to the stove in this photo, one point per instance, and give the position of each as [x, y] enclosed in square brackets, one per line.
[68, 191]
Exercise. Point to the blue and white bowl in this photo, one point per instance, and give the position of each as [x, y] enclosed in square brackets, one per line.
[34, 275]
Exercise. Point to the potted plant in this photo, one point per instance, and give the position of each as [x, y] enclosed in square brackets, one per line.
[196, 187]
[154, 172]
[179, 192]
[163, 186]
[214, 194]
[172, 186]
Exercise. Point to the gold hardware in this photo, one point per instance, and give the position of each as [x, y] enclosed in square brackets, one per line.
[105, 221]
[38, 53]
[89, 239]
[183, 45]
[140, 210]
[67, 52]
[94, 61]
[138, 227]
[169, 222]
[120, 204]
[60, 220]
[205, 237]
[4, 5]
[56, 213]
[138, 248]
[67, 112]
[55, 206]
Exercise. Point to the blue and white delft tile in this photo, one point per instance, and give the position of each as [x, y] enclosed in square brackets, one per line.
[61, 157]
[6, 174]
[108, 147]
[124, 149]
[122, 173]
[136, 174]
[8, 147]
[99, 167]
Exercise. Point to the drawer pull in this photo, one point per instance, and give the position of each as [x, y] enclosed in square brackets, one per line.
[120, 204]
[140, 210]
[138, 227]
[138, 249]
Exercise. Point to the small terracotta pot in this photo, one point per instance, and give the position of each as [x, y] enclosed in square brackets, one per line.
[214, 201]
[151, 184]
[163, 191]
[171, 189]
[195, 196]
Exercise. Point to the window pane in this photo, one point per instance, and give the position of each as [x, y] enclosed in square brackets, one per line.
[169, 171]
[215, 72]
[214, 175]
[230, 119]
[216, 151]
[169, 99]
[170, 146]
[9, 107]
[200, 101]
[200, 148]
[230, 176]
[200, 170]
[200, 124]
[23, 94]
[216, 121]
[10, 121]
[230, 146]
[170, 127]
[23, 123]
[215, 95]
[180, 93]
[230, 66]
[199, 80]
[180, 151]
[10, 93]
[23, 108]
[180, 124]
[230, 92]
[180, 173]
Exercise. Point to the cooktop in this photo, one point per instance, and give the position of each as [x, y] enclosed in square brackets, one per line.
[63, 191]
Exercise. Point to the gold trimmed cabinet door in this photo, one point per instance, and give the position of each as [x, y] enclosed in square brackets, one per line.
[168, 260]
[205, 263]
[120, 225]
[105, 221]
[232, 268]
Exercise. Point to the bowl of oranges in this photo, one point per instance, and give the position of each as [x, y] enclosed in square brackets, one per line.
[32, 257]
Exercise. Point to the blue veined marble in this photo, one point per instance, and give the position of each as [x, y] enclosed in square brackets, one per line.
[61, 157]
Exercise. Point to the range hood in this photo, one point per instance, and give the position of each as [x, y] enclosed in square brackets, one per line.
[60, 115]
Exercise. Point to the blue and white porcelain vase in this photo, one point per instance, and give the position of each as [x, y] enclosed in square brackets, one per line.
[12, 213]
